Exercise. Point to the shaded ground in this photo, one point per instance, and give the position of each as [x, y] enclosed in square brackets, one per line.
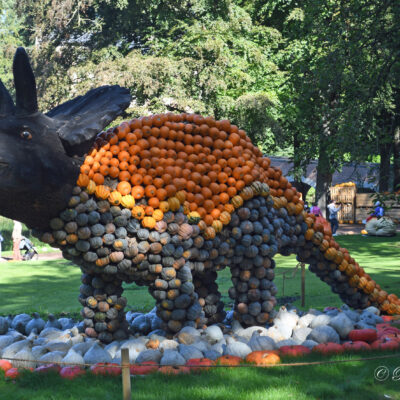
[53, 255]
[353, 229]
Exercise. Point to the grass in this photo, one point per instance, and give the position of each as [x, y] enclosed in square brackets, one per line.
[355, 380]
[58, 281]
[52, 286]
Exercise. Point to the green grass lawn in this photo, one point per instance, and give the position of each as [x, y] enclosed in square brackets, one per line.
[353, 380]
[53, 286]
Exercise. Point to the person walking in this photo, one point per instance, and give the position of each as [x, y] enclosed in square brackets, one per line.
[333, 209]
[17, 237]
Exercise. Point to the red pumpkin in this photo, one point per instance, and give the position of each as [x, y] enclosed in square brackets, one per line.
[294, 351]
[12, 373]
[389, 332]
[145, 368]
[71, 372]
[387, 318]
[328, 348]
[229, 360]
[106, 369]
[356, 346]
[199, 364]
[363, 335]
[5, 365]
[385, 345]
[46, 368]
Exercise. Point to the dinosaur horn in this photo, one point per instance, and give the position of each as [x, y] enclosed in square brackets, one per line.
[25, 85]
[6, 103]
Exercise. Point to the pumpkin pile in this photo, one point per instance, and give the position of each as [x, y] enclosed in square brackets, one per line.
[168, 200]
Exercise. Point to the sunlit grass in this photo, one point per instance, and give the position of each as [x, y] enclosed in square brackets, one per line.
[53, 286]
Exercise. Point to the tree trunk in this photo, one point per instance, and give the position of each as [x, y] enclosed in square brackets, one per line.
[384, 166]
[298, 171]
[396, 157]
[324, 179]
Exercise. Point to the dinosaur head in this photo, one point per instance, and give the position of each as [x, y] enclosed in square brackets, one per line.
[39, 153]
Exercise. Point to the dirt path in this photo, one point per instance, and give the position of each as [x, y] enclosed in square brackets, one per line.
[53, 255]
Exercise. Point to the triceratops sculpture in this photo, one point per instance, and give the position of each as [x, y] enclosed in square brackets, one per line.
[164, 201]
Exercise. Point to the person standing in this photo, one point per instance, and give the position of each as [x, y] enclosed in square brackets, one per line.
[333, 209]
[17, 237]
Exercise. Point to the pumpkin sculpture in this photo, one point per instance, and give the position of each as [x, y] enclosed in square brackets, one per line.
[164, 201]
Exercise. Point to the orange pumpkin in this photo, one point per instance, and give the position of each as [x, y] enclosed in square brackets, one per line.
[225, 217]
[91, 187]
[263, 357]
[138, 212]
[209, 233]
[149, 222]
[83, 180]
[217, 225]
[164, 206]
[158, 215]
[102, 192]
[229, 360]
[237, 201]
[115, 198]
[174, 203]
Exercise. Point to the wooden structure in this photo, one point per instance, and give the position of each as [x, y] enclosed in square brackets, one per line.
[356, 207]
[365, 206]
[347, 196]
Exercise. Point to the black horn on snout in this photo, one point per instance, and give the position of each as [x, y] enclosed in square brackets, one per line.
[25, 85]
[6, 103]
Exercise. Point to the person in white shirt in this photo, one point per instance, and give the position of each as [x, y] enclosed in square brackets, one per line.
[16, 237]
[333, 209]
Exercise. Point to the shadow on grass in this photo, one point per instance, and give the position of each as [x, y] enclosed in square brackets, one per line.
[354, 380]
[53, 286]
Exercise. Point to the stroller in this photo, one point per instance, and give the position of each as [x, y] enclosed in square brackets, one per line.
[29, 248]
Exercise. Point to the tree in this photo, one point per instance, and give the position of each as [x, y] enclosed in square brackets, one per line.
[199, 56]
[9, 39]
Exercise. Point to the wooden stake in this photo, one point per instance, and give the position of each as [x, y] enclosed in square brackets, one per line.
[303, 284]
[126, 375]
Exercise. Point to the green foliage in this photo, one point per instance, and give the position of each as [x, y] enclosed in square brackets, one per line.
[313, 79]
[200, 56]
[6, 228]
[10, 26]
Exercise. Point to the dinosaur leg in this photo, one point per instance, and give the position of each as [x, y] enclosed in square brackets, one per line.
[337, 276]
[175, 296]
[253, 291]
[209, 296]
[103, 311]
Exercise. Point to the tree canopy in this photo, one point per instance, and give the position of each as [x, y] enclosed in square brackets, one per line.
[312, 79]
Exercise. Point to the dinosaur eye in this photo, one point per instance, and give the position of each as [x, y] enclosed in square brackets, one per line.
[26, 135]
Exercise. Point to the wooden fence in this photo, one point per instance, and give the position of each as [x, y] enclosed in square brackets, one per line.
[356, 207]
